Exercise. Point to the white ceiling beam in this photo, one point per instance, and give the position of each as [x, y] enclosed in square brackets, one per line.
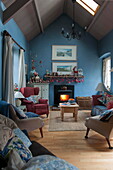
[9, 12]
[97, 15]
[35, 2]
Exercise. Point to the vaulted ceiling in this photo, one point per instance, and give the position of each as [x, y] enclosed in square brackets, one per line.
[33, 16]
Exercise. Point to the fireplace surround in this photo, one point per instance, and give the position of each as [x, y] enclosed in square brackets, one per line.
[62, 93]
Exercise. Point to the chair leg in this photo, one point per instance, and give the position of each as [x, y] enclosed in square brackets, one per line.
[87, 133]
[41, 132]
[110, 147]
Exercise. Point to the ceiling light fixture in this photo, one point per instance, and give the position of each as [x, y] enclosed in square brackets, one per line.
[73, 34]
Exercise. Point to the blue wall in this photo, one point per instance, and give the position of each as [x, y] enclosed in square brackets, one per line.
[87, 52]
[105, 47]
[16, 33]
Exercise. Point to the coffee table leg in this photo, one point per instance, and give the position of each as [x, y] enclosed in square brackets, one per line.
[76, 112]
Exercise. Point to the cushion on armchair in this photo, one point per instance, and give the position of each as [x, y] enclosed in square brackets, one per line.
[31, 114]
[33, 98]
[106, 115]
[20, 113]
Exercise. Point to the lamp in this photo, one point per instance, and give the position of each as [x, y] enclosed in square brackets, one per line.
[73, 33]
[18, 95]
[101, 88]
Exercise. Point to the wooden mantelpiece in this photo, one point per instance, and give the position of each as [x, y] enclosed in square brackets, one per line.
[63, 76]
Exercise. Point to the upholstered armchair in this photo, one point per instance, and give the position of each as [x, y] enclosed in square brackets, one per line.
[28, 124]
[39, 108]
[101, 127]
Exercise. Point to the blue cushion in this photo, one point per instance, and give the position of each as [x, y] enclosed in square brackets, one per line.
[106, 115]
[98, 110]
[31, 114]
[20, 113]
[33, 98]
[22, 136]
[47, 162]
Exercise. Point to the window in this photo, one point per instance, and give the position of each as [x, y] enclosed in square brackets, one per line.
[90, 5]
[15, 66]
[106, 72]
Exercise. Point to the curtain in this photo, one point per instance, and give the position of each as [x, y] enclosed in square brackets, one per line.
[7, 82]
[106, 72]
[22, 77]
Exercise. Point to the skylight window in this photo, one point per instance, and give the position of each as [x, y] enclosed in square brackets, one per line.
[90, 5]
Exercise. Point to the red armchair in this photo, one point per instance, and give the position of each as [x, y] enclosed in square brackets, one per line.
[40, 108]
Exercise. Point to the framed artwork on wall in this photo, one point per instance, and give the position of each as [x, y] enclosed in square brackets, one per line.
[64, 68]
[64, 52]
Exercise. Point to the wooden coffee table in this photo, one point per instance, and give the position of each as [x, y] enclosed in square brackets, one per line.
[72, 108]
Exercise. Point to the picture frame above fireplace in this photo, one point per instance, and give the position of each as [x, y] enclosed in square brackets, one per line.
[64, 68]
[64, 52]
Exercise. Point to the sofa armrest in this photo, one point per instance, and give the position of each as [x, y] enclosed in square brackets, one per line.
[43, 101]
[37, 149]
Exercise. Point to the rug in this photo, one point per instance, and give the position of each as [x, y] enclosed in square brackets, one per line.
[69, 124]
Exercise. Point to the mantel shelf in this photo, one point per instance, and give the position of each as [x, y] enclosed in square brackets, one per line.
[63, 76]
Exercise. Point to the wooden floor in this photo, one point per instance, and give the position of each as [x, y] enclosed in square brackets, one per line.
[90, 154]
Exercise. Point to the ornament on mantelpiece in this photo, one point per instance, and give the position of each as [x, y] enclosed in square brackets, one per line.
[80, 72]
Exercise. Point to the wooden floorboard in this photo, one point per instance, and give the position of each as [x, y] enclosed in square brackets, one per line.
[90, 154]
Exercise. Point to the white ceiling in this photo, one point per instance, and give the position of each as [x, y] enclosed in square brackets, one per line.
[35, 15]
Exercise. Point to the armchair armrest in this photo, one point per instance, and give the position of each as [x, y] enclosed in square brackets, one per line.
[43, 101]
[26, 101]
[30, 123]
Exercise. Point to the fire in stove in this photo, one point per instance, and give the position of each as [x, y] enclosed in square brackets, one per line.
[64, 97]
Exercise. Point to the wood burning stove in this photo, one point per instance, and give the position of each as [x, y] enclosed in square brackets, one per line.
[62, 93]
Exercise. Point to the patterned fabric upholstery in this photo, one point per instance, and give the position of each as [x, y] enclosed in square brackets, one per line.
[98, 110]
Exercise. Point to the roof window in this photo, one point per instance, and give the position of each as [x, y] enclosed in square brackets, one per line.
[90, 5]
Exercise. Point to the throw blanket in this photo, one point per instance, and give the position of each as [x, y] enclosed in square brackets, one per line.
[4, 108]
[49, 163]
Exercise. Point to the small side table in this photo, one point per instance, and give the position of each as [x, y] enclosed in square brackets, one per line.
[22, 107]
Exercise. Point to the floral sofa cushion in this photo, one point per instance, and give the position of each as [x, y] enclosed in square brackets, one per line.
[39, 162]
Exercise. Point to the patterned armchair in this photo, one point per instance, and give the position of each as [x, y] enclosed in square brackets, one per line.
[39, 108]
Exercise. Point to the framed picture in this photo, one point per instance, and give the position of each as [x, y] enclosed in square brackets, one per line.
[64, 52]
[64, 68]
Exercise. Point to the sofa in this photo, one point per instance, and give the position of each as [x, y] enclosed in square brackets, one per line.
[100, 104]
[17, 152]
